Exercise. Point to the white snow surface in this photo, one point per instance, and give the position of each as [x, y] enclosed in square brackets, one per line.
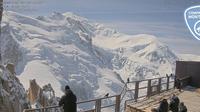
[68, 49]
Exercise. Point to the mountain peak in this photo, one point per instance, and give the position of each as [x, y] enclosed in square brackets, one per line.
[64, 16]
[57, 16]
[73, 15]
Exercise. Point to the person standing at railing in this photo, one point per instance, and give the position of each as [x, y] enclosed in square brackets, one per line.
[68, 101]
[178, 84]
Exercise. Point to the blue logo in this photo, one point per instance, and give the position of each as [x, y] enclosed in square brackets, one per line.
[192, 19]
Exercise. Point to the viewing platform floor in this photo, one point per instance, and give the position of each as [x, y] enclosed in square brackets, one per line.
[189, 95]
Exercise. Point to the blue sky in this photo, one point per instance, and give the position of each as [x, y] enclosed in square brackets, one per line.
[163, 18]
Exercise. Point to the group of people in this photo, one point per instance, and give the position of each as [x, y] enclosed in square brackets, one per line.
[174, 106]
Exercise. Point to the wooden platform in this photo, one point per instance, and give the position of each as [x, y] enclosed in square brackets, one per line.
[145, 105]
[190, 96]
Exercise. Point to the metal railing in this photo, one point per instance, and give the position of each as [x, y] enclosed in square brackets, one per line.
[185, 81]
[153, 86]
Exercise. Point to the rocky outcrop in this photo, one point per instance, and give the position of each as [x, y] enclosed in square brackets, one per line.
[12, 93]
[11, 68]
[35, 94]
[13, 97]
[41, 97]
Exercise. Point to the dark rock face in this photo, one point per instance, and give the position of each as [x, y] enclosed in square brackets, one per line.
[12, 93]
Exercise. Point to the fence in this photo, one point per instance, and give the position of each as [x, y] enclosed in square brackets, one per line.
[185, 81]
[139, 89]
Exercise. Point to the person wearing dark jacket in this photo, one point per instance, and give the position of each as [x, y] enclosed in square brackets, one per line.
[182, 107]
[163, 107]
[68, 101]
[178, 84]
[174, 103]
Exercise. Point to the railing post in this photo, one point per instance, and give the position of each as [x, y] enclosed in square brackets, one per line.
[159, 85]
[175, 81]
[168, 83]
[117, 105]
[98, 105]
[136, 90]
[149, 88]
[41, 110]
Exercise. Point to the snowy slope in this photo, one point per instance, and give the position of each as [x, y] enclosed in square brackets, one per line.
[67, 49]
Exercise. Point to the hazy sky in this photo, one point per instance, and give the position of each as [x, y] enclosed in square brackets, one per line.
[163, 18]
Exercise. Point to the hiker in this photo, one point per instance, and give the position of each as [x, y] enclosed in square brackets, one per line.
[128, 80]
[174, 103]
[163, 107]
[68, 101]
[171, 75]
[178, 84]
[182, 107]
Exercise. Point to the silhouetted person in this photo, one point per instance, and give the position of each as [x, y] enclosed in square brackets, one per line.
[176, 99]
[178, 84]
[106, 95]
[182, 107]
[68, 101]
[163, 107]
[128, 80]
[174, 103]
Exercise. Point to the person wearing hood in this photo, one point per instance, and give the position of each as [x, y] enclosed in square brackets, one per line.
[68, 101]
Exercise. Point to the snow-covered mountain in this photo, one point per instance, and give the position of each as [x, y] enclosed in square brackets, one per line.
[139, 56]
[68, 49]
[58, 50]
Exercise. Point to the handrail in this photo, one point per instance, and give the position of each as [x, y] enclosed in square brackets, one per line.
[184, 78]
[120, 97]
[147, 79]
[184, 81]
[42, 108]
[86, 101]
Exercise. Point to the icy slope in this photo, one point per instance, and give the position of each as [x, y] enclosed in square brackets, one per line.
[67, 49]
